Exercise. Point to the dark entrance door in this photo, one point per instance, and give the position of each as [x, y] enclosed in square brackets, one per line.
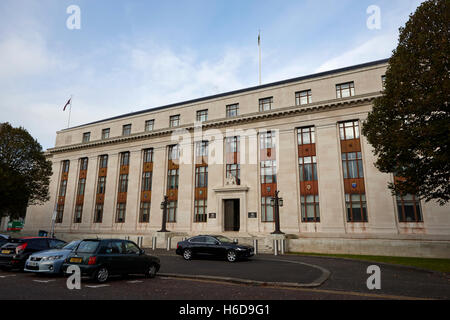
[232, 214]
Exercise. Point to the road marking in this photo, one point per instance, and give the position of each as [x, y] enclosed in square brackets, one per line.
[43, 281]
[99, 286]
[10, 275]
[135, 281]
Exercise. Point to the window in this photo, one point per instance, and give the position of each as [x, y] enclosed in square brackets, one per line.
[349, 130]
[120, 216]
[267, 140]
[59, 213]
[98, 214]
[352, 165]
[174, 121]
[103, 161]
[148, 155]
[356, 207]
[81, 186]
[310, 208]
[232, 144]
[307, 168]
[306, 136]
[171, 211]
[303, 97]
[105, 133]
[200, 214]
[149, 125]
[232, 110]
[78, 213]
[268, 171]
[86, 136]
[125, 159]
[63, 187]
[172, 179]
[267, 209]
[234, 170]
[265, 104]
[144, 214]
[123, 183]
[201, 177]
[126, 130]
[131, 248]
[201, 149]
[408, 208]
[65, 166]
[83, 163]
[101, 185]
[383, 81]
[174, 152]
[345, 90]
[147, 181]
[202, 115]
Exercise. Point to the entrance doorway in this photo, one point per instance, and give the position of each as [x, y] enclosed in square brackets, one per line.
[232, 215]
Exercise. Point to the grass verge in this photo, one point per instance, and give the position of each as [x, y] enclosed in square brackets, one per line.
[441, 265]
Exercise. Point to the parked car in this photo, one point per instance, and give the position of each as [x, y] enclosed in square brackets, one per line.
[101, 258]
[219, 246]
[50, 261]
[4, 239]
[14, 253]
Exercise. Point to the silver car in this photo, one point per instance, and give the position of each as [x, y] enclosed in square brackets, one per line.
[49, 261]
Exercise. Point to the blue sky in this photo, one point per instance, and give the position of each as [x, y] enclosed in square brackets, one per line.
[137, 54]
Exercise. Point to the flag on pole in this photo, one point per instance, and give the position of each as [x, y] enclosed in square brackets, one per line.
[68, 102]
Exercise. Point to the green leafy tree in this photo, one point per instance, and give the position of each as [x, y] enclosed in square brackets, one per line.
[24, 171]
[409, 125]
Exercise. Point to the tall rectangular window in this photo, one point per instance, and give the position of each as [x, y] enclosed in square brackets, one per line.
[149, 125]
[200, 214]
[105, 133]
[103, 161]
[202, 115]
[265, 104]
[126, 130]
[78, 214]
[172, 181]
[303, 97]
[201, 149]
[125, 159]
[83, 164]
[62, 190]
[65, 166]
[232, 110]
[123, 183]
[174, 121]
[59, 213]
[79, 201]
[81, 186]
[172, 178]
[345, 90]
[148, 155]
[233, 167]
[408, 208]
[144, 213]
[267, 209]
[201, 177]
[120, 212]
[101, 185]
[98, 213]
[146, 186]
[147, 181]
[268, 174]
[86, 136]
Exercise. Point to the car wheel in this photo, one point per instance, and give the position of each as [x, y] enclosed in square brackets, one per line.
[102, 275]
[151, 271]
[187, 254]
[231, 256]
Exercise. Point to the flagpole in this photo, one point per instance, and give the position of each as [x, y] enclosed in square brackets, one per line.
[70, 111]
[259, 45]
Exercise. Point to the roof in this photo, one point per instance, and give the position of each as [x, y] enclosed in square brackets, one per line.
[230, 93]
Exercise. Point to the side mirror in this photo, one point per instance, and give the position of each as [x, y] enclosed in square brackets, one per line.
[235, 241]
[141, 252]
[217, 243]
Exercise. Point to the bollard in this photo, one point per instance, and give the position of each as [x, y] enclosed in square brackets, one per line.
[168, 243]
[153, 243]
[282, 246]
[255, 246]
[275, 247]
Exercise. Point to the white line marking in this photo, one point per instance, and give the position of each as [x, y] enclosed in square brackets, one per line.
[99, 286]
[43, 281]
[135, 281]
[12, 275]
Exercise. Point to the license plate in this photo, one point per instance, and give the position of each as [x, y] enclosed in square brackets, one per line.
[32, 264]
[6, 251]
[76, 260]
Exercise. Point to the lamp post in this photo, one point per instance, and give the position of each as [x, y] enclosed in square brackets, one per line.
[164, 209]
[277, 202]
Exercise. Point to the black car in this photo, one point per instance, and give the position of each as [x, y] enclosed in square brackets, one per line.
[101, 258]
[4, 239]
[15, 252]
[219, 246]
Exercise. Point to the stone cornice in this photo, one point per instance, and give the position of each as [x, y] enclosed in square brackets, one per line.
[247, 118]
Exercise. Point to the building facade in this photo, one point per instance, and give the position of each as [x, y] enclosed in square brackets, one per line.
[220, 159]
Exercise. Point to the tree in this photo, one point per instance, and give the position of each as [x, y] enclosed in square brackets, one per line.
[409, 124]
[24, 171]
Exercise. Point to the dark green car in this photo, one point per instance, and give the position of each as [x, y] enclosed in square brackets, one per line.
[101, 258]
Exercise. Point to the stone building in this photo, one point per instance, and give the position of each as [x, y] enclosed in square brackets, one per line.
[220, 159]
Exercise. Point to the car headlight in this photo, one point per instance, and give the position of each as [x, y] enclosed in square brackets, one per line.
[240, 249]
[51, 258]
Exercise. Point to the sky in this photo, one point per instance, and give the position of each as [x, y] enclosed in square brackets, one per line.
[138, 54]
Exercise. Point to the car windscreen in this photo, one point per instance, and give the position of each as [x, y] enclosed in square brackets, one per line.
[224, 239]
[71, 245]
[88, 246]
